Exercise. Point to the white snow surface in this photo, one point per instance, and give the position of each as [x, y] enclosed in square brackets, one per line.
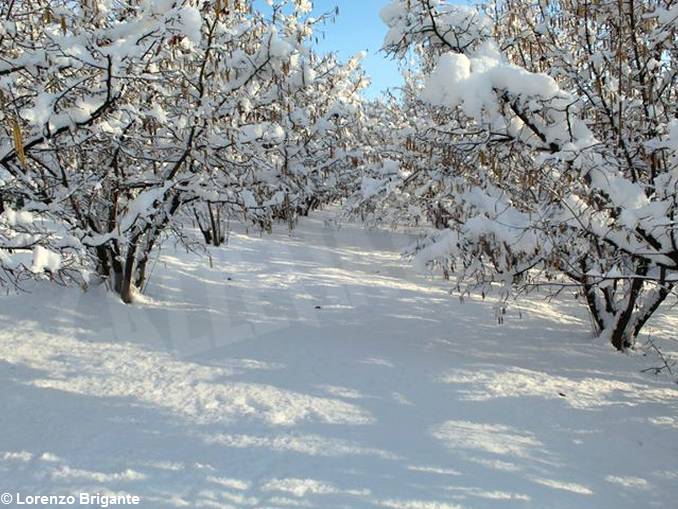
[227, 388]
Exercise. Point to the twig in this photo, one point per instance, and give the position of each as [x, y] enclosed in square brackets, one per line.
[666, 364]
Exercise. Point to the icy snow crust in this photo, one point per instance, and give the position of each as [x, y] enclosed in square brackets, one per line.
[240, 393]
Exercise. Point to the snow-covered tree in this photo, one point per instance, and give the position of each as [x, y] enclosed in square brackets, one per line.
[313, 107]
[118, 115]
[407, 170]
[560, 133]
[32, 247]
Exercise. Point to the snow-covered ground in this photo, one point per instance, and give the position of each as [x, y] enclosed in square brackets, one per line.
[316, 370]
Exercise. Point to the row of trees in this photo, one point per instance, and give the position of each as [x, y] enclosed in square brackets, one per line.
[538, 139]
[120, 116]
[535, 140]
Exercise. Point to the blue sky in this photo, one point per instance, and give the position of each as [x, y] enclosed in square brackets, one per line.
[359, 28]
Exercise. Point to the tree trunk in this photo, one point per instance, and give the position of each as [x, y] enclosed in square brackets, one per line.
[127, 290]
[103, 267]
[142, 264]
[215, 222]
[652, 301]
[623, 333]
[594, 309]
[116, 265]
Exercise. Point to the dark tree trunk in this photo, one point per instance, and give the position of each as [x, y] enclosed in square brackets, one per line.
[142, 263]
[116, 265]
[646, 313]
[104, 268]
[215, 221]
[126, 292]
[592, 303]
[211, 231]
